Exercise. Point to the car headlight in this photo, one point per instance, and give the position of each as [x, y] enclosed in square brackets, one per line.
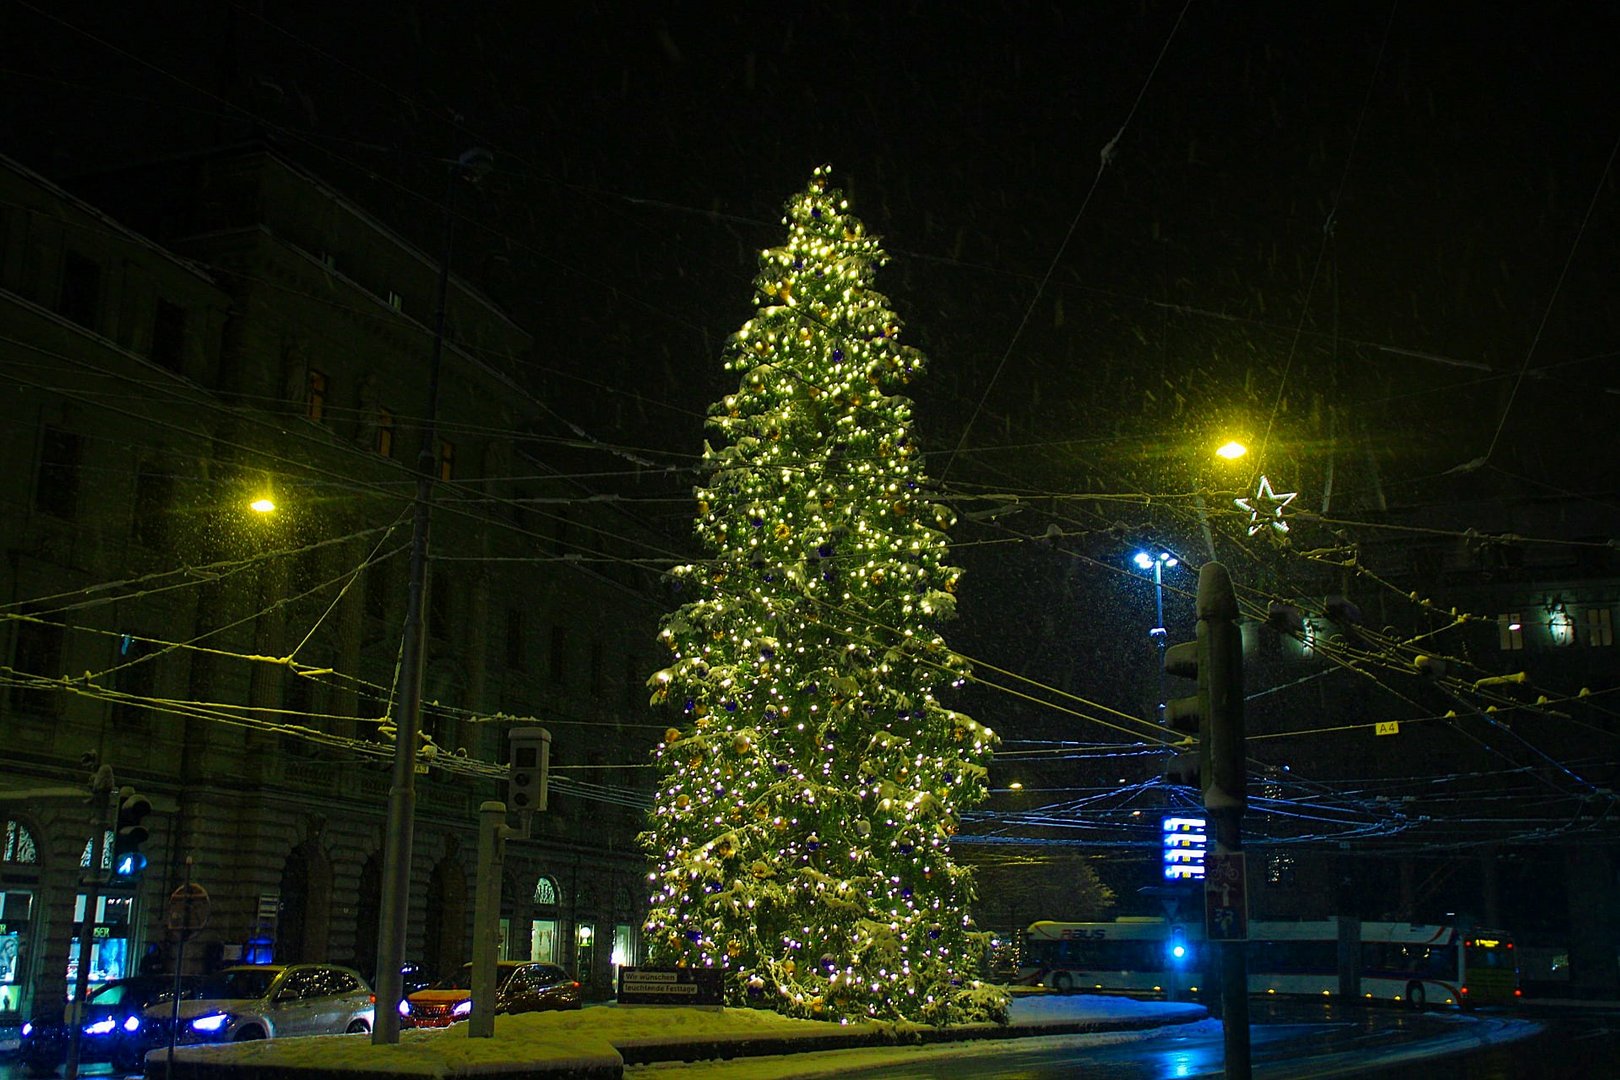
[132, 1024]
[404, 1008]
[210, 1023]
[27, 1028]
[462, 1008]
[100, 1027]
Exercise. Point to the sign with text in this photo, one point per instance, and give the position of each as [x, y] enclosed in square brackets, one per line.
[669, 986]
[1185, 842]
[1226, 900]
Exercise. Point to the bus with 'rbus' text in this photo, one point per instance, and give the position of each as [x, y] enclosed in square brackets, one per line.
[1410, 963]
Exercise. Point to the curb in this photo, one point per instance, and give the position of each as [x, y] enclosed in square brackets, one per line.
[653, 1051]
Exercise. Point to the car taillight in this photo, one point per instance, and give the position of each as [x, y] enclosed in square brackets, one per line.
[1463, 990]
[371, 999]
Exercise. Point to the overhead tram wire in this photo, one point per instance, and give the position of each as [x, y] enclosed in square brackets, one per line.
[1106, 158]
[1327, 236]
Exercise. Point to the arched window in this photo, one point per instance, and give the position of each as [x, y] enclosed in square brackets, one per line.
[19, 845]
[543, 940]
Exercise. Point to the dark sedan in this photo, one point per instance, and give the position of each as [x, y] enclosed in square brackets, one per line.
[111, 1027]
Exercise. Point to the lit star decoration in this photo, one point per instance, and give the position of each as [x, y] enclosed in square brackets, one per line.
[1266, 508]
[810, 788]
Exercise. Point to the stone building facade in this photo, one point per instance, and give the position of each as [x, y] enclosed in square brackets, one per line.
[180, 341]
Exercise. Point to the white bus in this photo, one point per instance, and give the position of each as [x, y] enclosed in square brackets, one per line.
[1411, 963]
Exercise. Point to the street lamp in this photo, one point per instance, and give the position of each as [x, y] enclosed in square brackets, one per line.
[1231, 451]
[1158, 562]
[262, 505]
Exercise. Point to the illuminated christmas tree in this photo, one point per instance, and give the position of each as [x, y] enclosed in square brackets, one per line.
[807, 799]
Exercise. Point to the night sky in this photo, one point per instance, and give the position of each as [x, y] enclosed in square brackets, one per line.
[1384, 231]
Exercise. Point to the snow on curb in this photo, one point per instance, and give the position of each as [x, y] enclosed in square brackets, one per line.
[601, 1041]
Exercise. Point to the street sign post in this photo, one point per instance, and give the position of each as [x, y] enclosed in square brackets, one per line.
[1226, 899]
[189, 907]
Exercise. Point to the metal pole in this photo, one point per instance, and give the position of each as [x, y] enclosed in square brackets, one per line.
[1160, 636]
[103, 796]
[1225, 785]
[179, 966]
[394, 910]
[492, 832]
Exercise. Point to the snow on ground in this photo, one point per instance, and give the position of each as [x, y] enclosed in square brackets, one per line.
[832, 1063]
[587, 1038]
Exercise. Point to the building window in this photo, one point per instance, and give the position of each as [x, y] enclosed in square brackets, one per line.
[315, 395]
[154, 496]
[1280, 871]
[19, 848]
[1599, 628]
[439, 609]
[1510, 631]
[559, 653]
[447, 459]
[134, 680]
[385, 433]
[634, 682]
[81, 289]
[514, 639]
[56, 489]
[168, 334]
[379, 583]
[38, 653]
[560, 545]
[598, 675]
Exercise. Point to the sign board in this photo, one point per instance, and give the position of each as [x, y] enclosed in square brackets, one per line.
[1185, 843]
[1226, 899]
[669, 986]
[188, 908]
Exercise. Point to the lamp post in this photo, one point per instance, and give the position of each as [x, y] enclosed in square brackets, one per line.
[394, 908]
[1157, 562]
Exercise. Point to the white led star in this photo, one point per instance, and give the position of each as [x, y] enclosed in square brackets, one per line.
[1269, 514]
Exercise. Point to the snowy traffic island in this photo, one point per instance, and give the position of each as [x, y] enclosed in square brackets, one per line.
[602, 1041]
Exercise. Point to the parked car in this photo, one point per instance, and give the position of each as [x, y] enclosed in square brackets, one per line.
[520, 986]
[265, 1001]
[111, 1029]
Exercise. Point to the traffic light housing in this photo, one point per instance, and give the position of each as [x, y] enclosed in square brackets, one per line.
[1213, 716]
[1188, 715]
[529, 769]
[129, 834]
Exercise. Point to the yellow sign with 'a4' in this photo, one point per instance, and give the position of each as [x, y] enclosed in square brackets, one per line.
[1387, 727]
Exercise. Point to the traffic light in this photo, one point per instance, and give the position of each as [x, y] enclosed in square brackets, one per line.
[529, 770]
[1188, 715]
[1180, 953]
[129, 834]
[1213, 716]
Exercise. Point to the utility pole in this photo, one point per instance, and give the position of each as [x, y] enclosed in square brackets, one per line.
[1215, 717]
[1225, 788]
[103, 794]
[394, 909]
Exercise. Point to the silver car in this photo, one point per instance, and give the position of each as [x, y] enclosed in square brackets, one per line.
[267, 1001]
